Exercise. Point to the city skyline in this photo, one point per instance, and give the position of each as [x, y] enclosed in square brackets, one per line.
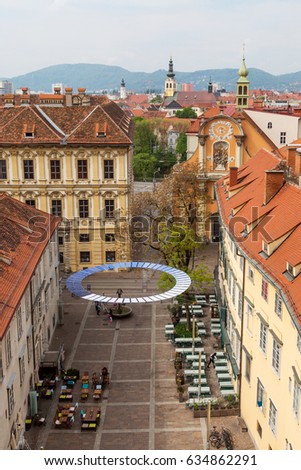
[198, 35]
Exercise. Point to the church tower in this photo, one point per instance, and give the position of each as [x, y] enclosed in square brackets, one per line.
[122, 91]
[170, 82]
[210, 86]
[243, 84]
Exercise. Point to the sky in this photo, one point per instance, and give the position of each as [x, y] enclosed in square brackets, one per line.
[141, 35]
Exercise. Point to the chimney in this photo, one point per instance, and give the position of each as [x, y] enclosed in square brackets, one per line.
[291, 155]
[24, 90]
[274, 180]
[298, 162]
[57, 90]
[294, 160]
[68, 93]
[232, 176]
[258, 103]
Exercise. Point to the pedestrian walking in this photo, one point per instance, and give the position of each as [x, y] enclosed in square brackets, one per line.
[212, 360]
[97, 308]
[119, 292]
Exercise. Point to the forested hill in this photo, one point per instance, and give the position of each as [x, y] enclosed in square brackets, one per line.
[97, 77]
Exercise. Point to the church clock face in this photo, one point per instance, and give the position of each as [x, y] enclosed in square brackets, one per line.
[221, 130]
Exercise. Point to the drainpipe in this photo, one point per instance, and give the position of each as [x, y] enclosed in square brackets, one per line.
[241, 332]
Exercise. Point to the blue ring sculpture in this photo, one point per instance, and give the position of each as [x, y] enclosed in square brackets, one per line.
[74, 283]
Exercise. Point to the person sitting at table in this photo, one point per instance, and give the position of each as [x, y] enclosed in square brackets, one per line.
[105, 375]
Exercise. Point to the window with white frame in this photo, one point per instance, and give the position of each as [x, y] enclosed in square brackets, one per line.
[29, 351]
[263, 337]
[46, 296]
[3, 170]
[249, 314]
[21, 369]
[237, 347]
[251, 274]
[10, 400]
[248, 367]
[8, 351]
[109, 208]
[234, 292]
[278, 304]
[230, 282]
[83, 208]
[264, 289]
[276, 356]
[260, 394]
[19, 323]
[239, 309]
[273, 417]
[108, 169]
[282, 137]
[296, 398]
[27, 304]
[299, 343]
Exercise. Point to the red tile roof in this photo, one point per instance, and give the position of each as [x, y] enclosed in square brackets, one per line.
[70, 124]
[278, 218]
[21, 246]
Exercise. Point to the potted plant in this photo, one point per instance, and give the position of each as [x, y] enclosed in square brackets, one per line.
[181, 393]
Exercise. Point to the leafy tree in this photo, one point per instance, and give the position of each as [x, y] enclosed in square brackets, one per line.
[145, 139]
[186, 113]
[157, 99]
[181, 147]
[144, 165]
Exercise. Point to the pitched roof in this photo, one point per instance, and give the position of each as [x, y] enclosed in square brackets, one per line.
[70, 124]
[277, 220]
[195, 98]
[25, 232]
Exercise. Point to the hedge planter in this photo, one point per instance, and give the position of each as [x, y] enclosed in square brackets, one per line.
[216, 413]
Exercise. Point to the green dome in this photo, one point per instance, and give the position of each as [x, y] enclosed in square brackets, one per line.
[243, 71]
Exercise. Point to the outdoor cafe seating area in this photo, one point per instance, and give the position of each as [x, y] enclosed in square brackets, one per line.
[77, 395]
[189, 350]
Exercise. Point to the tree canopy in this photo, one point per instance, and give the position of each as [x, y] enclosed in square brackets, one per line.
[170, 213]
[186, 113]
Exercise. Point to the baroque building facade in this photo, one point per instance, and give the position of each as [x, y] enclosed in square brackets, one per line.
[71, 156]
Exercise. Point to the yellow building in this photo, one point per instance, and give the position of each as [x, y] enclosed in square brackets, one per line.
[217, 142]
[260, 283]
[71, 155]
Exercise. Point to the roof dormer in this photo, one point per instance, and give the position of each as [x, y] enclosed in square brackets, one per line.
[292, 271]
[101, 130]
[265, 249]
[269, 247]
[28, 130]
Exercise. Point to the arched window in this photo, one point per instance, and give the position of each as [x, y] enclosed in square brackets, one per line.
[270, 125]
[240, 90]
[245, 90]
[220, 155]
